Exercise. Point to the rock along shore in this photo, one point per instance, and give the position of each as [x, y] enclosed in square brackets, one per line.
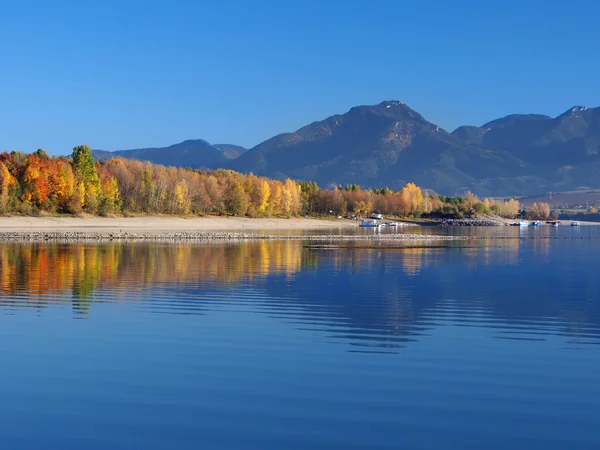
[76, 236]
[481, 221]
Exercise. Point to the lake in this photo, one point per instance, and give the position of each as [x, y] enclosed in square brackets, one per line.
[490, 343]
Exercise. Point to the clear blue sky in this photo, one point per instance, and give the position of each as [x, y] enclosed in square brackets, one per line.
[126, 74]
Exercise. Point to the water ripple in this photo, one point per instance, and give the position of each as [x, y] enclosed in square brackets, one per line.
[271, 345]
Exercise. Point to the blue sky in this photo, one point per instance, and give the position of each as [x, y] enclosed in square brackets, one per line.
[127, 74]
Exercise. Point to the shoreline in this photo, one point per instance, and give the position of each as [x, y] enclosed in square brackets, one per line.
[160, 224]
[179, 229]
[205, 229]
[210, 236]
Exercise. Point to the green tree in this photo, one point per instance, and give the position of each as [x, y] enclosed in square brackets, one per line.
[86, 177]
[42, 154]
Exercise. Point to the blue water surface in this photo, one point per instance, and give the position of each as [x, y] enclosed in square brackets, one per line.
[487, 343]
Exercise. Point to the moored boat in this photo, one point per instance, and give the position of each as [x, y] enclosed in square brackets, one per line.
[535, 223]
[523, 223]
[369, 224]
[575, 223]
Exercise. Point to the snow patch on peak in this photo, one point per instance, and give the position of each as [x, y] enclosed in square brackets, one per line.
[391, 103]
[578, 109]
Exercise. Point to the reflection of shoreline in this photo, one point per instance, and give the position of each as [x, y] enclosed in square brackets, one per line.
[365, 297]
[79, 269]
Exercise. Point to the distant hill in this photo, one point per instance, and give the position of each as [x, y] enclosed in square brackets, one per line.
[571, 138]
[390, 144]
[563, 153]
[191, 153]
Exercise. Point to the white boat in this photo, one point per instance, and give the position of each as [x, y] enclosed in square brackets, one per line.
[391, 224]
[369, 224]
[554, 224]
[523, 223]
[575, 223]
[535, 223]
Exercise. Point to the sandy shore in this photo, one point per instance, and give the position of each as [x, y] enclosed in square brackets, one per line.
[36, 229]
[164, 224]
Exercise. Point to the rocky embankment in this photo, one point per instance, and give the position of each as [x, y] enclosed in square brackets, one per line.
[66, 236]
[480, 221]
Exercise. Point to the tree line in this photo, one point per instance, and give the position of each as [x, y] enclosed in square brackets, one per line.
[35, 183]
[411, 201]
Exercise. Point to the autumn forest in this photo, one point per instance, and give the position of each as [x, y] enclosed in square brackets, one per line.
[36, 183]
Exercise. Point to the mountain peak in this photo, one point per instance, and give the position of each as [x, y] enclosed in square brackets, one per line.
[193, 142]
[393, 109]
[578, 108]
[391, 103]
[575, 111]
[513, 119]
[388, 104]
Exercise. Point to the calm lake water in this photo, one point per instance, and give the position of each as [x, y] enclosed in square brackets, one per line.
[489, 344]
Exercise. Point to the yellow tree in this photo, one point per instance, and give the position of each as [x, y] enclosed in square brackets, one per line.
[276, 198]
[426, 206]
[514, 208]
[404, 202]
[62, 182]
[293, 197]
[215, 193]
[469, 202]
[182, 197]
[111, 199]
[264, 197]
[236, 199]
[509, 209]
[362, 208]
[6, 182]
[487, 204]
[412, 194]
[544, 210]
[286, 199]
[533, 212]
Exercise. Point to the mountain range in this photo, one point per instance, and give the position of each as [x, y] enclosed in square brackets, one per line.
[390, 144]
[196, 153]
